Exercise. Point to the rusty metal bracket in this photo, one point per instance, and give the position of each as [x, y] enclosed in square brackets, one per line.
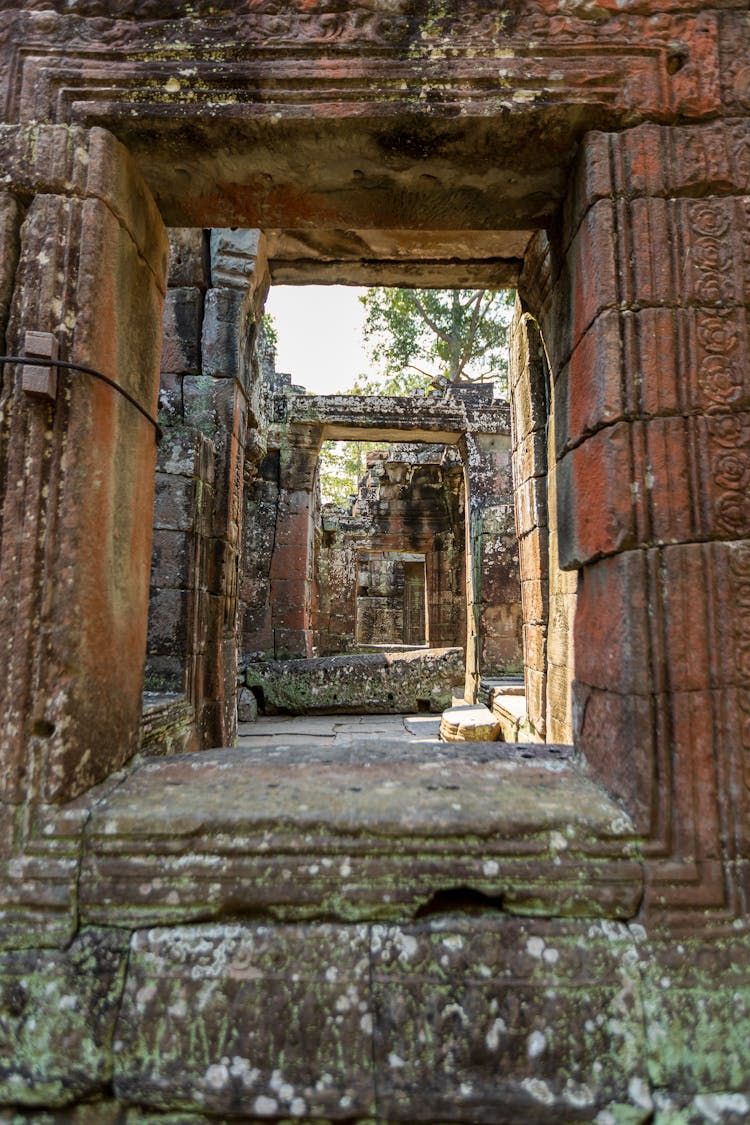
[40, 380]
[39, 377]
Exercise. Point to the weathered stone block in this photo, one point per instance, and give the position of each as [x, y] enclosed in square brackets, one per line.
[535, 647]
[530, 457]
[58, 1012]
[594, 511]
[174, 503]
[165, 673]
[535, 594]
[533, 553]
[188, 257]
[536, 699]
[10, 244]
[531, 505]
[616, 735]
[469, 723]
[696, 1000]
[612, 641]
[182, 321]
[168, 615]
[590, 389]
[379, 683]
[247, 706]
[255, 1021]
[170, 560]
[222, 331]
[234, 254]
[502, 1021]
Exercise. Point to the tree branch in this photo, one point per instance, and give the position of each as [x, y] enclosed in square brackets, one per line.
[429, 321]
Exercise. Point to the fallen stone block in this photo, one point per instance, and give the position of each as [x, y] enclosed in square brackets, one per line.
[375, 684]
[469, 723]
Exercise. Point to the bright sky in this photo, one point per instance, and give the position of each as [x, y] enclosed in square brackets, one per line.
[320, 334]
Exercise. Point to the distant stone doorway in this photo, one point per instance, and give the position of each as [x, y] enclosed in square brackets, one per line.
[391, 599]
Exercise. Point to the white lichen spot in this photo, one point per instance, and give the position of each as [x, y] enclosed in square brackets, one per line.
[492, 1038]
[343, 1004]
[216, 1077]
[453, 941]
[298, 1107]
[466, 1089]
[715, 1107]
[240, 1066]
[345, 869]
[551, 956]
[331, 973]
[265, 1107]
[578, 1094]
[639, 1093]
[536, 1044]
[538, 1090]
[406, 945]
[345, 1102]
[490, 867]
[178, 1010]
[535, 947]
[395, 1061]
[144, 995]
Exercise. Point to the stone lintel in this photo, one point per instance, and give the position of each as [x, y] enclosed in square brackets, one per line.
[391, 418]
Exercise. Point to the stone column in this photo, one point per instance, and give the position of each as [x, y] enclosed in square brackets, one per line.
[291, 571]
[77, 473]
[493, 596]
[649, 351]
[529, 418]
[211, 400]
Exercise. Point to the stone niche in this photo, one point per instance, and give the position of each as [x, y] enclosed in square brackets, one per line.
[487, 935]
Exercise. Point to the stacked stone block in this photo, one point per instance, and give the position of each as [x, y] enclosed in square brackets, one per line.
[651, 465]
[210, 394]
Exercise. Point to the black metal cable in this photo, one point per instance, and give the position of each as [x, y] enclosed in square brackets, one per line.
[32, 361]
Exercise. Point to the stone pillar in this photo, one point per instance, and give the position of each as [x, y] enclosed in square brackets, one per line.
[493, 596]
[529, 418]
[77, 473]
[291, 573]
[548, 592]
[211, 401]
[652, 382]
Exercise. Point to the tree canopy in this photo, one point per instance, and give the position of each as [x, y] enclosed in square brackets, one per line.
[419, 339]
[422, 337]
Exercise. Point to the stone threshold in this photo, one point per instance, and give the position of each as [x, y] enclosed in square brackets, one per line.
[362, 831]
